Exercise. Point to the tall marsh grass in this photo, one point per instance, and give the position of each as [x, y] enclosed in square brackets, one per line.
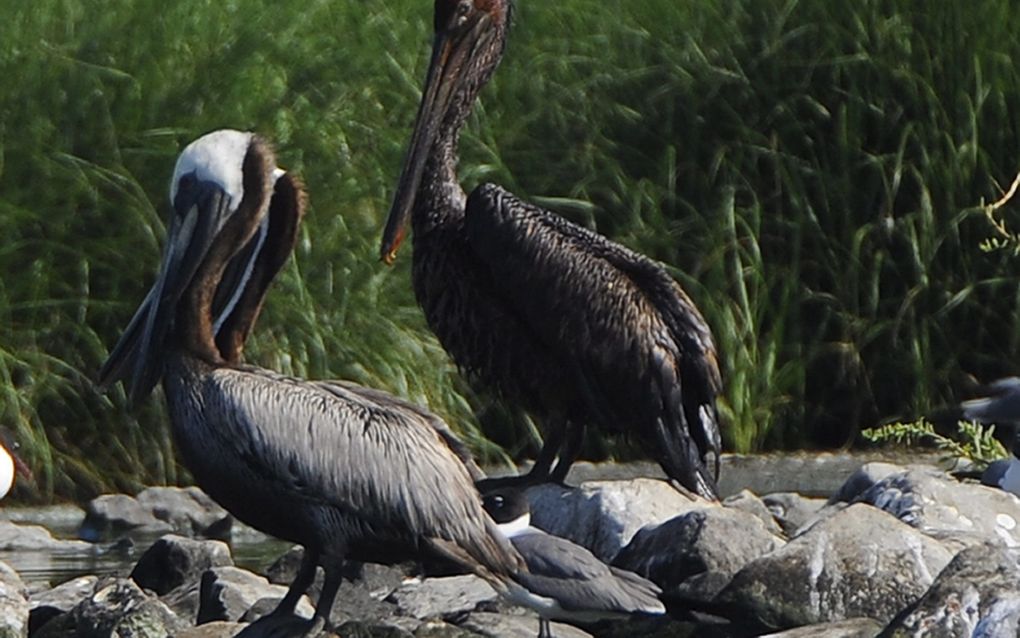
[810, 170]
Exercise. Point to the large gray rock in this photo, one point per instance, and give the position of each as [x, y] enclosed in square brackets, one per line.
[47, 605]
[859, 562]
[218, 629]
[694, 555]
[959, 514]
[13, 604]
[604, 515]
[791, 510]
[173, 561]
[15, 537]
[978, 594]
[441, 597]
[188, 510]
[852, 628]
[507, 626]
[119, 608]
[156, 510]
[748, 501]
[228, 592]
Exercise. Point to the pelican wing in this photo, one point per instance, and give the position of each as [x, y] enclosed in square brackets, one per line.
[359, 451]
[625, 326]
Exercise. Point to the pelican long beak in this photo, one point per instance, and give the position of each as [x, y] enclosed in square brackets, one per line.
[452, 52]
[199, 214]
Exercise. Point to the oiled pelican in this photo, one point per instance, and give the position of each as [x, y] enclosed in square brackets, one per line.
[345, 471]
[565, 581]
[576, 328]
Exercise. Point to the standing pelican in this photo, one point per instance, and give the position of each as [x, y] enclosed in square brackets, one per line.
[574, 327]
[345, 471]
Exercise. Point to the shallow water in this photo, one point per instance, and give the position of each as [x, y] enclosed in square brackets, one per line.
[250, 549]
[811, 474]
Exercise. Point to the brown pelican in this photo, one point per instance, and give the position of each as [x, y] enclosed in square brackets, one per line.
[345, 471]
[565, 581]
[574, 327]
[10, 464]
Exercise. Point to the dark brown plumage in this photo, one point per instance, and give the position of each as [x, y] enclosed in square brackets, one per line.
[574, 327]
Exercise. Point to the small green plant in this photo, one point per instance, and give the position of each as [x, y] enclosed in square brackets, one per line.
[976, 442]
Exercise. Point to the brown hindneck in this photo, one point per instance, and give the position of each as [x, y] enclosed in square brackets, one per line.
[194, 321]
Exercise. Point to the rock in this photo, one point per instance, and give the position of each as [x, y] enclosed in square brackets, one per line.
[791, 510]
[977, 594]
[13, 605]
[748, 501]
[156, 510]
[604, 515]
[110, 515]
[218, 629]
[362, 629]
[959, 514]
[173, 561]
[226, 593]
[860, 561]
[188, 510]
[15, 537]
[505, 626]
[694, 555]
[46, 605]
[441, 597]
[119, 608]
[852, 628]
[864, 479]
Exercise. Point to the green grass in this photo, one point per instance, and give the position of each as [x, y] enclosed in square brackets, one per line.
[811, 170]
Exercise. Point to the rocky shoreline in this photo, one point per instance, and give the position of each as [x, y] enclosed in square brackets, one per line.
[896, 551]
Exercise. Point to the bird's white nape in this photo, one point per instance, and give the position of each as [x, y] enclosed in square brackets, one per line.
[216, 157]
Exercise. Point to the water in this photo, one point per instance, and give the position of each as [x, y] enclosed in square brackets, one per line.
[38, 569]
[809, 474]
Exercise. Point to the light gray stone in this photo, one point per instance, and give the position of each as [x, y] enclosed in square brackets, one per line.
[791, 510]
[119, 608]
[694, 555]
[860, 561]
[13, 604]
[748, 501]
[959, 514]
[507, 626]
[15, 537]
[226, 593]
[852, 628]
[977, 594]
[48, 604]
[603, 516]
[187, 511]
[441, 597]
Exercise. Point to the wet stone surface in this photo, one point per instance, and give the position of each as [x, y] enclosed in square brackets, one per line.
[895, 549]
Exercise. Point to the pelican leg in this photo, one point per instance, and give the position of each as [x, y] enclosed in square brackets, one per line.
[569, 452]
[544, 628]
[550, 447]
[303, 580]
[334, 577]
